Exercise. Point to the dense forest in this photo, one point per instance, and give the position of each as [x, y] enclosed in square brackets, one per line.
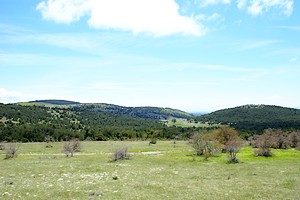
[146, 112]
[61, 120]
[255, 118]
[37, 123]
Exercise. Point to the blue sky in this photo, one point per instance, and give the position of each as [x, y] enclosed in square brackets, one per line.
[194, 55]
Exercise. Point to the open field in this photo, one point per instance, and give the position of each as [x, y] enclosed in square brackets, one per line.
[185, 123]
[161, 171]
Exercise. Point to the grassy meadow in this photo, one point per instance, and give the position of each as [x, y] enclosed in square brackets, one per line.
[180, 122]
[161, 171]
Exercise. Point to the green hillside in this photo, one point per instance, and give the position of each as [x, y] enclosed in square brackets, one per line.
[37, 122]
[148, 112]
[255, 117]
[141, 112]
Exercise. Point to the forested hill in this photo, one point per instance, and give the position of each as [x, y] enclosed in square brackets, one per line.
[36, 122]
[156, 113]
[141, 112]
[255, 117]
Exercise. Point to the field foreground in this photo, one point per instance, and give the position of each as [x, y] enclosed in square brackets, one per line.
[162, 171]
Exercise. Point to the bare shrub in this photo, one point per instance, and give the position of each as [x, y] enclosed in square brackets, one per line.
[298, 146]
[280, 139]
[11, 150]
[294, 139]
[232, 148]
[264, 143]
[120, 154]
[252, 141]
[2, 147]
[72, 146]
[263, 152]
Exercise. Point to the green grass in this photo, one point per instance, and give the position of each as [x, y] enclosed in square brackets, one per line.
[166, 172]
[185, 123]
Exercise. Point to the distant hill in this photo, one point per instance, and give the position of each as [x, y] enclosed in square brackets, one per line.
[155, 113]
[255, 117]
[55, 102]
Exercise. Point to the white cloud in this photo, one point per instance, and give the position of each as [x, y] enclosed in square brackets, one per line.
[259, 7]
[255, 8]
[241, 3]
[205, 3]
[63, 11]
[139, 16]
[10, 96]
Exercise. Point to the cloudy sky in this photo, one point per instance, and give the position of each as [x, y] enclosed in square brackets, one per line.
[194, 55]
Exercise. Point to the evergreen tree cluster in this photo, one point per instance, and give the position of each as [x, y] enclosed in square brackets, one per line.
[36, 123]
[250, 119]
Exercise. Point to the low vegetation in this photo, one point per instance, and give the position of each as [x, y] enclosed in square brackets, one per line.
[155, 172]
[172, 158]
[11, 150]
[72, 146]
[121, 153]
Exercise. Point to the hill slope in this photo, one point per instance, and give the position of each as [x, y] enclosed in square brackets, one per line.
[35, 123]
[255, 117]
[156, 113]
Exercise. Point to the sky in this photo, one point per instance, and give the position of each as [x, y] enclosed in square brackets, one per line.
[193, 55]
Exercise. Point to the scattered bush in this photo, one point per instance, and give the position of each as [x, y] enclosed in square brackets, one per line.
[264, 143]
[232, 147]
[278, 138]
[11, 150]
[298, 146]
[72, 146]
[263, 152]
[294, 139]
[120, 154]
[2, 147]
[153, 141]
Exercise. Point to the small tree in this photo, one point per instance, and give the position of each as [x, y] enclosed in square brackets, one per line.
[72, 146]
[232, 148]
[11, 150]
[231, 142]
[205, 144]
